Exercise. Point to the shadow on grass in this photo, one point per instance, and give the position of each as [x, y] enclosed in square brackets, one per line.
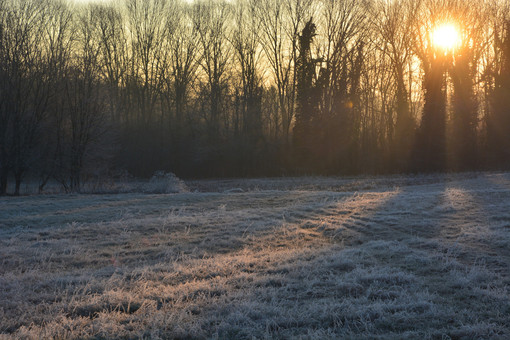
[381, 264]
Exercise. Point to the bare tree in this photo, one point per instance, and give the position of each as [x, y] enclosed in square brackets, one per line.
[112, 41]
[212, 20]
[85, 116]
[225, 83]
[5, 118]
[57, 48]
[343, 44]
[147, 28]
[497, 87]
[393, 21]
[25, 92]
[279, 40]
[248, 56]
[184, 62]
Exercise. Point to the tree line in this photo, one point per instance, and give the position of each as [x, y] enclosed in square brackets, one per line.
[250, 88]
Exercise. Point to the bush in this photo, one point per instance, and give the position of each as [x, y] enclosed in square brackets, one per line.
[164, 183]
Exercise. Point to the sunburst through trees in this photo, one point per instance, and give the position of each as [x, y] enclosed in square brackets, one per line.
[246, 87]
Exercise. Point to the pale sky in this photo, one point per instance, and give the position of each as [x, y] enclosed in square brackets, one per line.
[85, 1]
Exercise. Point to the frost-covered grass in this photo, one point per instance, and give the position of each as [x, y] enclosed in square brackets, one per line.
[160, 183]
[424, 257]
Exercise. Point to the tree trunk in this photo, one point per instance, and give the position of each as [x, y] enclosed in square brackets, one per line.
[18, 178]
[3, 180]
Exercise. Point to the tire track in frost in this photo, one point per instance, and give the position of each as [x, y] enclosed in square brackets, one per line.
[390, 215]
[350, 219]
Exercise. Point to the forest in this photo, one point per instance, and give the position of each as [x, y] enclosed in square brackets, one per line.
[250, 88]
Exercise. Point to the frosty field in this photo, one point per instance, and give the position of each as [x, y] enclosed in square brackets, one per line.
[423, 257]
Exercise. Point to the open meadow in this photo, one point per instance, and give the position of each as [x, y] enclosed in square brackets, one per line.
[399, 257]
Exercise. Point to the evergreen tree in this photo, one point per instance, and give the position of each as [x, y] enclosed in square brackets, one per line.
[306, 114]
[430, 147]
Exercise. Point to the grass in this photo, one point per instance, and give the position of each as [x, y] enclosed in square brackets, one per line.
[425, 257]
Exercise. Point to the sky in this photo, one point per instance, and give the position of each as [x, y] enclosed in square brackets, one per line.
[86, 1]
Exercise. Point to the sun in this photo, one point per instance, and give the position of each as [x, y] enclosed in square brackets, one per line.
[446, 37]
